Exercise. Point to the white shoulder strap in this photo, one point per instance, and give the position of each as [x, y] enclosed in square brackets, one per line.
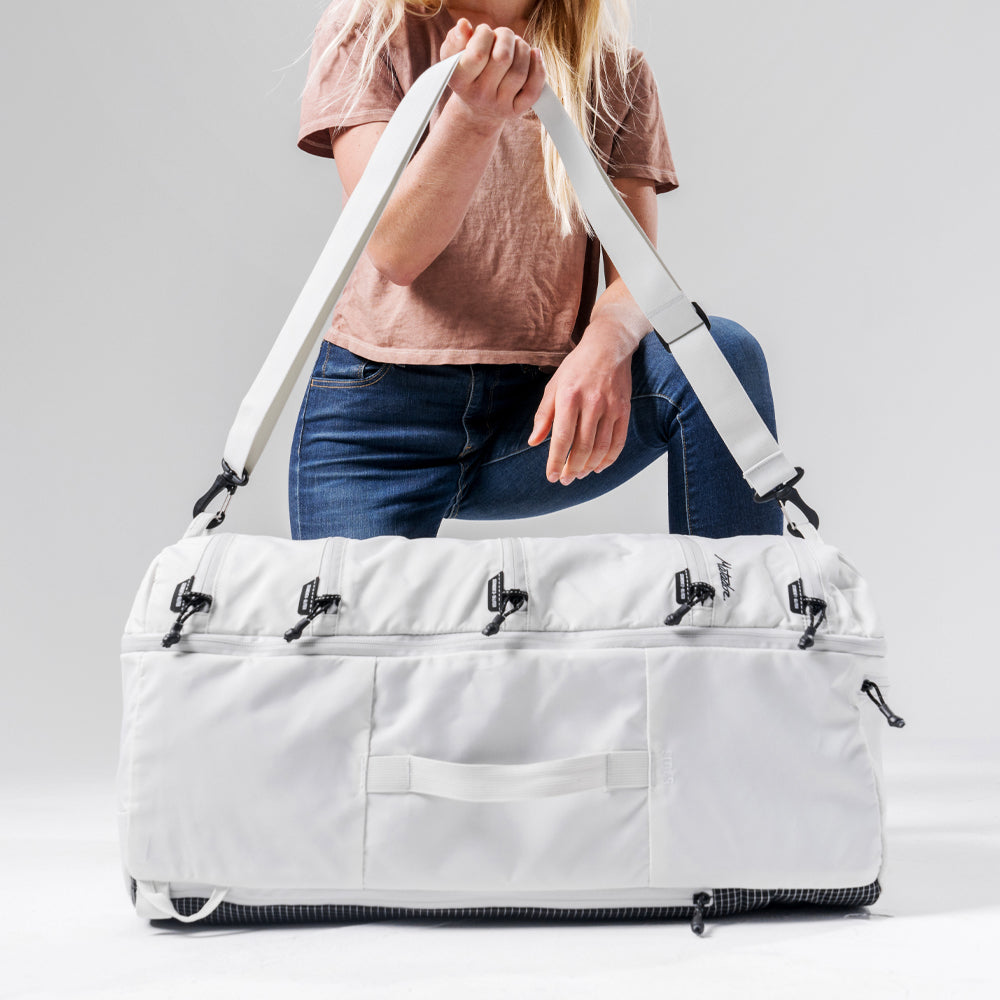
[676, 321]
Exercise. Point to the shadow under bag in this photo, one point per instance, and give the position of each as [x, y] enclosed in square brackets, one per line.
[611, 726]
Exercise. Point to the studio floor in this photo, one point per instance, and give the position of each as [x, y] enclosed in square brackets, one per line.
[69, 930]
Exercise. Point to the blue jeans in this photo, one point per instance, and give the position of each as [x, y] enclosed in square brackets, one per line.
[391, 449]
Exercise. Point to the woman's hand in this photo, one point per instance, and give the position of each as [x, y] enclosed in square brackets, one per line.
[499, 75]
[586, 404]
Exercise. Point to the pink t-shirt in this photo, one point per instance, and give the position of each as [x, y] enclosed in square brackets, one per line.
[508, 288]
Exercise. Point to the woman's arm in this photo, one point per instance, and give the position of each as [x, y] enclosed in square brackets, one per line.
[498, 77]
[587, 401]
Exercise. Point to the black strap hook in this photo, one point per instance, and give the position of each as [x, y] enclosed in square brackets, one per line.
[227, 481]
[787, 493]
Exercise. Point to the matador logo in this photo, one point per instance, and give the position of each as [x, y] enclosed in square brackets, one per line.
[725, 577]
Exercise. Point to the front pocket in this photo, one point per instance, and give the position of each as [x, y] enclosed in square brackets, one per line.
[245, 770]
[338, 367]
[763, 777]
[509, 770]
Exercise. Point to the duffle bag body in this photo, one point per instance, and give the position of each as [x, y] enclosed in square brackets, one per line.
[603, 726]
[585, 756]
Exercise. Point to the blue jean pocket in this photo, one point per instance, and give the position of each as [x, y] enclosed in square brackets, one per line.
[337, 366]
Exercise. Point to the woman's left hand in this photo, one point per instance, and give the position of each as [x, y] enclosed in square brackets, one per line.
[586, 404]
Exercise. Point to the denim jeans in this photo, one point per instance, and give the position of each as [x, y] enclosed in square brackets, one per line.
[391, 449]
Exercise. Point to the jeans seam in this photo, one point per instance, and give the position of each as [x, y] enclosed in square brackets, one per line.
[684, 463]
[453, 508]
[298, 466]
[489, 408]
[465, 412]
[503, 458]
[457, 501]
[684, 471]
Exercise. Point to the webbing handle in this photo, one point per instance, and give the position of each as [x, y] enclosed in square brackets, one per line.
[157, 895]
[404, 773]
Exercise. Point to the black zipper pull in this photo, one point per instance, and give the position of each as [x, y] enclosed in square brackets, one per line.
[185, 603]
[498, 599]
[813, 607]
[689, 595]
[817, 615]
[311, 605]
[871, 689]
[701, 901]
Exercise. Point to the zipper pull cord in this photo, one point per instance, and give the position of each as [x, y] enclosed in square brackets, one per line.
[871, 689]
[698, 593]
[320, 607]
[191, 603]
[815, 607]
[516, 599]
[701, 901]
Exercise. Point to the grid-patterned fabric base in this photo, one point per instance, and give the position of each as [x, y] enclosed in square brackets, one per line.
[725, 902]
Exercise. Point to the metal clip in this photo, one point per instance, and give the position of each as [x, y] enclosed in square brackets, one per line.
[787, 493]
[228, 481]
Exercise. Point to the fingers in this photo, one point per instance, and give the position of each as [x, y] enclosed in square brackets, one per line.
[577, 464]
[584, 439]
[516, 74]
[602, 444]
[457, 38]
[618, 437]
[476, 57]
[533, 86]
[563, 433]
[490, 85]
[543, 417]
[499, 74]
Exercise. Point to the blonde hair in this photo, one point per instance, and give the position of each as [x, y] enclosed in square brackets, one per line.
[575, 38]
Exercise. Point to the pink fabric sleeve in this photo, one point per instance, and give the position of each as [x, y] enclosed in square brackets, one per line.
[640, 147]
[330, 100]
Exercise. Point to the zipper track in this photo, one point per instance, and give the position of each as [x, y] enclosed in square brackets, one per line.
[409, 645]
[697, 565]
[416, 899]
[674, 904]
[205, 575]
[811, 575]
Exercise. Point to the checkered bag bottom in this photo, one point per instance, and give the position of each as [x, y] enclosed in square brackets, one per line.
[725, 902]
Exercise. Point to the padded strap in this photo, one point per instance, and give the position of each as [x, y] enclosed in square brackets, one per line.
[157, 895]
[508, 782]
[669, 311]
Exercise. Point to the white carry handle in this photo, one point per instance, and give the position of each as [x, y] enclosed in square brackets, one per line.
[670, 313]
[157, 897]
[446, 779]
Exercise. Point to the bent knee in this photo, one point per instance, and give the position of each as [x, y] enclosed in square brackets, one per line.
[739, 347]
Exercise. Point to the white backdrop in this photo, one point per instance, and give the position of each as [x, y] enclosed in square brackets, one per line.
[837, 197]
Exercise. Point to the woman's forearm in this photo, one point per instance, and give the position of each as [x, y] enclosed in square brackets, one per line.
[434, 192]
[616, 316]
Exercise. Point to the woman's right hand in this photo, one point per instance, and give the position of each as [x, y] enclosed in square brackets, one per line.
[499, 75]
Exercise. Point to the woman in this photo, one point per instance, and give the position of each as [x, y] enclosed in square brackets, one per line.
[468, 336]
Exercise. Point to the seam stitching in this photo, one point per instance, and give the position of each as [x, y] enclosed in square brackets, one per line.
[462, 466]
[346, 383]
[684, 469]
[298, 467]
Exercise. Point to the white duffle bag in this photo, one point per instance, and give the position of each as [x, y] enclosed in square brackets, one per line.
[603, 726]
